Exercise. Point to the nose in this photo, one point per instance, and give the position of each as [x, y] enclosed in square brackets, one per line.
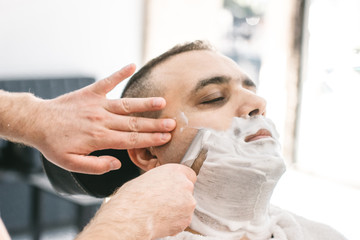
[250, 104]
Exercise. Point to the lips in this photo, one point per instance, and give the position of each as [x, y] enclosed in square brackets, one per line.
[262, 133]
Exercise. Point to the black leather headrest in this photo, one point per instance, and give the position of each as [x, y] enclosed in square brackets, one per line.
[93, 185]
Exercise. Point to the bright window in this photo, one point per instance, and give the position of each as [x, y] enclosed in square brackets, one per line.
[329, 130]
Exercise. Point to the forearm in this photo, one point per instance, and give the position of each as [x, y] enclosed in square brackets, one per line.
[116, 222]
[110, 231]
[18, 117]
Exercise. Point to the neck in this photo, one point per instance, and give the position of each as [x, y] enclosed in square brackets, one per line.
[236, 213]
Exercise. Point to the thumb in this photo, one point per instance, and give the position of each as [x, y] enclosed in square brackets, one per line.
[104, 86]
[93, 164]
[190, 173]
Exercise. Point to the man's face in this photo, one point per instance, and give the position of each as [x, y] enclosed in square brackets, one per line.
[202, 89]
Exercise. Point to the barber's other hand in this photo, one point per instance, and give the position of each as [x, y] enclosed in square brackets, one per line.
[159, 203]
[75, 124]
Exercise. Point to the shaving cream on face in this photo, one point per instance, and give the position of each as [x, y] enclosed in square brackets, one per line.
[183, 121]
[236, 180]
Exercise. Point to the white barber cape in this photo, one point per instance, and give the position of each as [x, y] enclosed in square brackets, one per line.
[285, 226]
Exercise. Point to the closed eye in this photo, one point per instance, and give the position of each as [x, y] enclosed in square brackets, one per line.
[214, 100]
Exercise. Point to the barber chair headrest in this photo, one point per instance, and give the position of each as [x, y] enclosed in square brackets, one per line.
[93, 185]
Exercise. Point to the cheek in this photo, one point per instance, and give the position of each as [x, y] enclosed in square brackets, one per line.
[188, 123]
[175, 150]
[220, 119]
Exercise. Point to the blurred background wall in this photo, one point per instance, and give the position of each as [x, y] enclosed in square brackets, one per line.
[303, 54]
[63, 37]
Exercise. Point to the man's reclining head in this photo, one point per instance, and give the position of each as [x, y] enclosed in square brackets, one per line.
[202, 88]
[216, 109]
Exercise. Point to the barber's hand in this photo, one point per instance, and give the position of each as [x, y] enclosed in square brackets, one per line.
[159, 203]
[78, 123]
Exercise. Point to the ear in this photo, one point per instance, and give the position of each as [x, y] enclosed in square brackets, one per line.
[143, 158]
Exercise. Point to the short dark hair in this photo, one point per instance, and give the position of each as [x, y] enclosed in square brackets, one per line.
[139, 86]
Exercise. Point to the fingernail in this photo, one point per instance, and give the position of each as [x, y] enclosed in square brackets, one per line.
[169, 124]
[165, 137]
[127, 66]
[114, 165]
[157, 102]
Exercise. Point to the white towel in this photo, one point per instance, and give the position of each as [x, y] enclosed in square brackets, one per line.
[285, 226]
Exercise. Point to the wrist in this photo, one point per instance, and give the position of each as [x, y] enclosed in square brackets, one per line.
[31, 120]
[37, 124]
[19, 114]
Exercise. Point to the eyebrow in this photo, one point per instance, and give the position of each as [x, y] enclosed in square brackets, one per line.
[212, 80]
[221, 80]
[248, 82]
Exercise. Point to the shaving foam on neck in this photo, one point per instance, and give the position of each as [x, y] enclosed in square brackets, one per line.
[236, 180]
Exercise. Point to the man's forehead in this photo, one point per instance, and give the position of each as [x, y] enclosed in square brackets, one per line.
[194, 66]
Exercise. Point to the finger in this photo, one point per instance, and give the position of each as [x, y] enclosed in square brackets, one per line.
[197, 164]
[130, 140]
[93, 164]
[138, 124]
[132, 105]
[190, 174]
[179, 168]
[104, 86]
